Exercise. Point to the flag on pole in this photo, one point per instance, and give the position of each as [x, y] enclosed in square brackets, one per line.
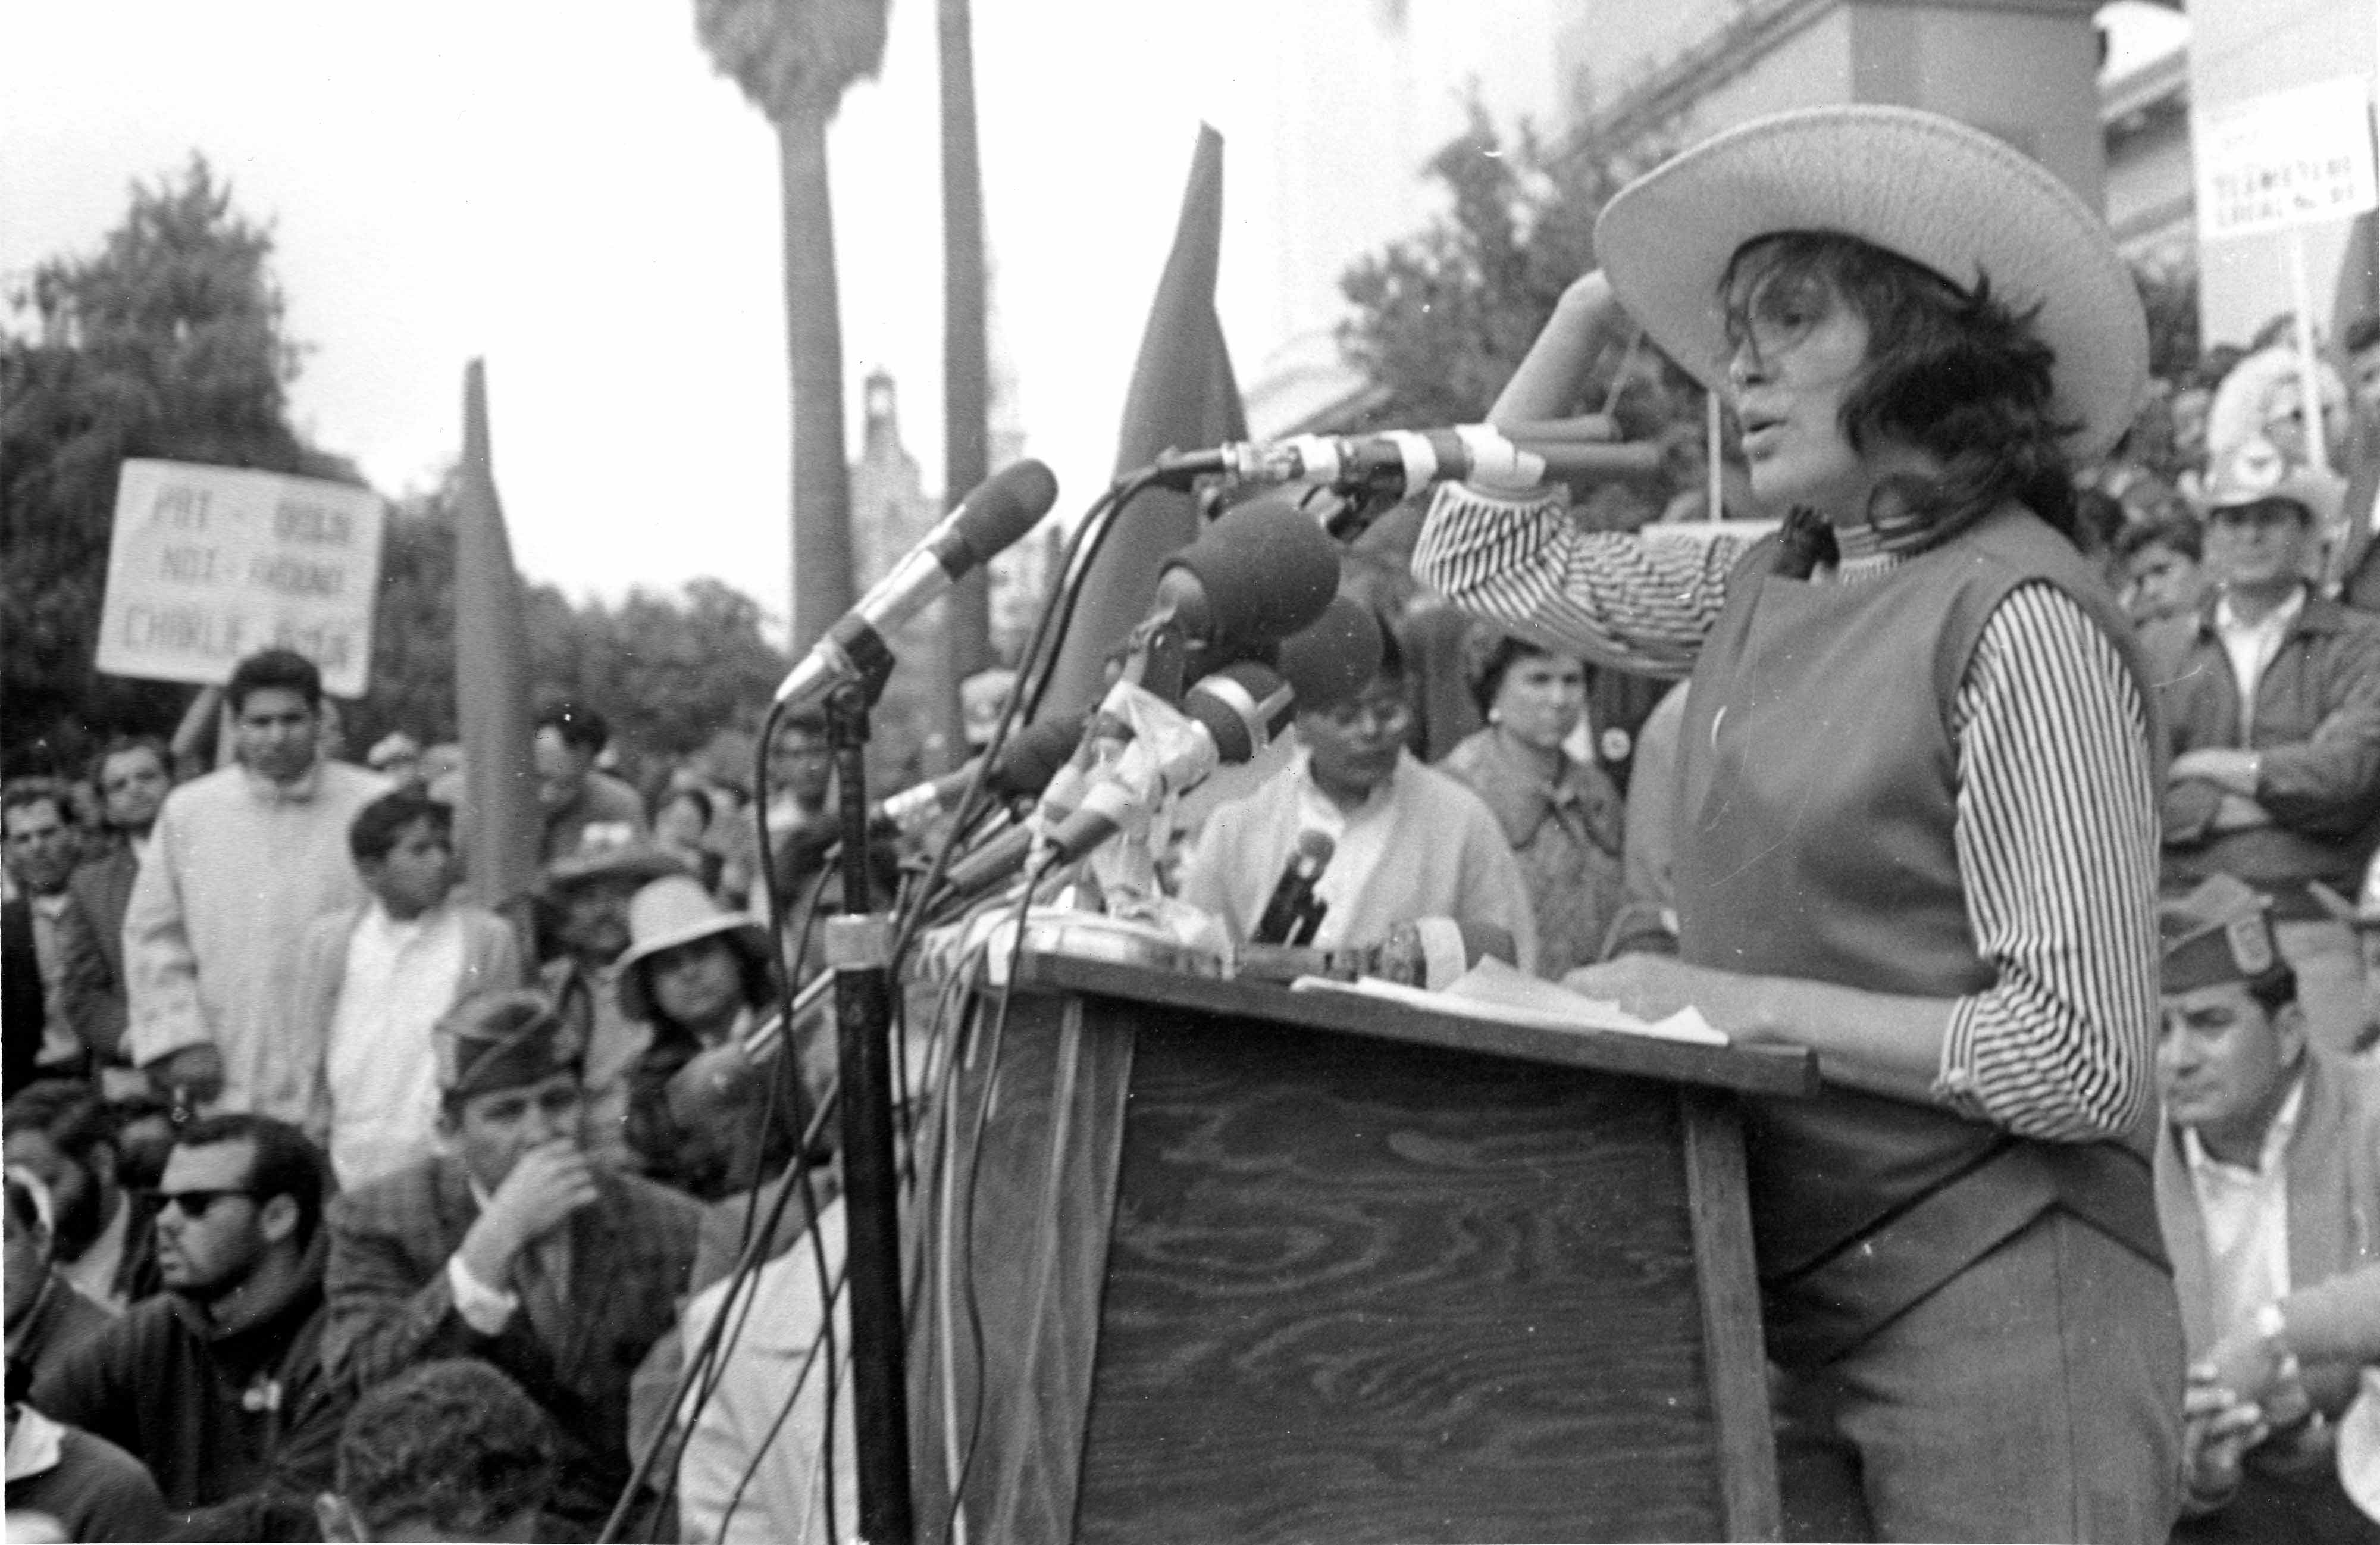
[1183, 397]
[491, 690]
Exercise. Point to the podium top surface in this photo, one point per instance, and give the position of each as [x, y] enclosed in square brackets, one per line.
[1779, 1070]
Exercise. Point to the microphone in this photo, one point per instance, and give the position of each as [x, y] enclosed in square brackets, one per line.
[1238, 709]
[1397, 462]
[1262, 571]
[1025, 768]
[1295, 912]
[1008, 503]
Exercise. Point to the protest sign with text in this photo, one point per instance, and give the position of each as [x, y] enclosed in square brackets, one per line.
[208, 565]
[2289, 158]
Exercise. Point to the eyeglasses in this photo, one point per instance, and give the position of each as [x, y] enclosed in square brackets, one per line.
[196, 1203]
[1388, 716]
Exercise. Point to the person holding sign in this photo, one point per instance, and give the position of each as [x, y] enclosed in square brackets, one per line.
[240, 862]
[1917, 811]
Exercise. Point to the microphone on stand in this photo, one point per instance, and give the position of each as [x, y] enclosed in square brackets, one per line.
[1295, 912]
[1238, 711]
[1023, 769]
[1398, 462]
[1008, 504]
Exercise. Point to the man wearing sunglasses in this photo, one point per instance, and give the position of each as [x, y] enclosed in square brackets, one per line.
[516, 1247]
[216, 1383]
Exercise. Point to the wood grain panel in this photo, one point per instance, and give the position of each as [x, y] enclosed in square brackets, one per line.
[1043, 1183]
[1364, 1291]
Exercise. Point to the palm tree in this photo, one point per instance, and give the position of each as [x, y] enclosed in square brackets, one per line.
[794, 60]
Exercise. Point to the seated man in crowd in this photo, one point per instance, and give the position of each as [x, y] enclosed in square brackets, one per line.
[2270, 699]
[47, 1314]
[449, 1450]
[62, 1134]
[1407, 841]
[65, 1484]
[217, 1383]
[2268, 1191]
[82, 1016]
[516, 1247]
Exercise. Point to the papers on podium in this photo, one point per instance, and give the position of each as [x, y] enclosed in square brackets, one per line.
[1492, 989]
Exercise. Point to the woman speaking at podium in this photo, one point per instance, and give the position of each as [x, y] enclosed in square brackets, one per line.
[1916, 819]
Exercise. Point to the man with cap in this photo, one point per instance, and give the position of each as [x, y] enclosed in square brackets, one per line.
[2268, 1192]
[2271, 706]
[515, 1246]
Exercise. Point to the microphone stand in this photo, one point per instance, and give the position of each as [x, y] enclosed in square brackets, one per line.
[858, 948]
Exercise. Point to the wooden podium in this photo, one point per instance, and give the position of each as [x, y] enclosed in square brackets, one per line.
[1243, 1264]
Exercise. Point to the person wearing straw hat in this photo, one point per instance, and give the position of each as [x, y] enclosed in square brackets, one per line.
[515, 1246]
[702, 980]
[1916, 811]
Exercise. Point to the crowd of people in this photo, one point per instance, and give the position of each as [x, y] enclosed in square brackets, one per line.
[338, 1206]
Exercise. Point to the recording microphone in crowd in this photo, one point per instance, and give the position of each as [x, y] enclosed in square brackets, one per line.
[1023, 770]
[1295, 911]
[1238, 711]
[1260, 572]
[1007, 505]
[1397, 462]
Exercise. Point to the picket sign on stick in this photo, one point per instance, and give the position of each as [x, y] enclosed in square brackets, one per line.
[2282, 162]
[208, 565]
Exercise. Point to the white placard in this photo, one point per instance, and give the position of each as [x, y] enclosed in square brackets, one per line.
[208, 565]
[2292, 158]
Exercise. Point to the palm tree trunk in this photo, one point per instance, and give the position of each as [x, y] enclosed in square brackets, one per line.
[965, 372]
[821, 577]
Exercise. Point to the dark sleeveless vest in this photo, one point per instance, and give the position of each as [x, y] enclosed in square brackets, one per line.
[1817, 798]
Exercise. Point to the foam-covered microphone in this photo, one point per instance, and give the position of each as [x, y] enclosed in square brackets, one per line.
[1398, 462]
[1295, 912]
[1023, 769]
[1237, 711]
[1262, 571]
[1008, 505]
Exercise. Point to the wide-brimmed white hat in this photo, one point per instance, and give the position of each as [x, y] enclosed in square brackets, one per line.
[1917, 184]
[672, 911]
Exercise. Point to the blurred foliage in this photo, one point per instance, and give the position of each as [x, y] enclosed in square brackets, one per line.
[2169, 297]
[167, 343]
[1442, 317]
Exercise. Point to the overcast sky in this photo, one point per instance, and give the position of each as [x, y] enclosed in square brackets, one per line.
[570, 191]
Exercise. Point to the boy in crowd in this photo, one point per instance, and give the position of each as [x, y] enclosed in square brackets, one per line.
[374, 978]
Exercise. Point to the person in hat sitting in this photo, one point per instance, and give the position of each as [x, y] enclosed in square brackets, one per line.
[702, 981]
[515, 1246]
[1916, 811]
[2271, 703]
[2268, 1191]
[581, 906]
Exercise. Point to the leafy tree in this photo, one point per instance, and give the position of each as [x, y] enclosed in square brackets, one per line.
[168, 341]
[794, 60]
[1442, 317]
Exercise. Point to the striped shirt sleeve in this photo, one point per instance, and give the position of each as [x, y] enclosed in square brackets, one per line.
[2056, 834]
[1641, 604]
